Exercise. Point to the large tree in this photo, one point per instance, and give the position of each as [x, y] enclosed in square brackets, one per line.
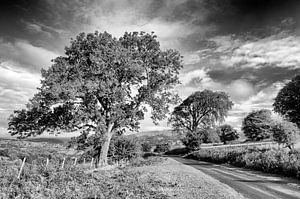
[200, 110]
[257, 125]
[102, 85]
[287, 102]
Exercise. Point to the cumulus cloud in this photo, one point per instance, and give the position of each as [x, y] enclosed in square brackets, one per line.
[197, 80]
[261, 100]
[275, 51]
[25, 55]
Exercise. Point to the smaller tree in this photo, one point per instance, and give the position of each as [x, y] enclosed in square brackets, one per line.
[201, 110]
[210, 135]
[287, 101]
[257, 125]
[193, 140]
[285, 132]
[227, 133]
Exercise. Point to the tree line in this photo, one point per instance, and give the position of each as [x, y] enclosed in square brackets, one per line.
[103, 86]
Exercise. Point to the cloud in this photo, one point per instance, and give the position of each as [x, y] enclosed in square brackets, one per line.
[25, 55]
[198, 80]
[275, 51]
[261, 100]
[17, 86]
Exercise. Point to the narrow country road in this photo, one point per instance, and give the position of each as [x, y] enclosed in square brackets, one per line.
[251, 184]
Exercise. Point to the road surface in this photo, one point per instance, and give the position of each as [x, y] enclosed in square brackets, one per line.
[250, 184]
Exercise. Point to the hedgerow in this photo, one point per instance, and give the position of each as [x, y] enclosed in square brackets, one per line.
[277, 161]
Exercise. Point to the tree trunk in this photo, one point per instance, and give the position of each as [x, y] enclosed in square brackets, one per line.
[105, 147]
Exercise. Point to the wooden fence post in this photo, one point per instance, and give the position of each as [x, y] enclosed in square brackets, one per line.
[75, 161]
[23, 163]
[92, 162]
[47, 162]
[62, 165]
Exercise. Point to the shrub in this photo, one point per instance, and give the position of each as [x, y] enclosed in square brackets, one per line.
[227, 133]
[124, 148]
[146, 147]
[162, 148]
[192, 141]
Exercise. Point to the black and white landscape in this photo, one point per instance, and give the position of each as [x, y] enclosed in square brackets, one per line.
[114, 98]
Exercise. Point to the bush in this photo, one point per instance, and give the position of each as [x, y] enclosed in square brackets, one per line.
[227, 133]
[124, 148]
[146, 147]
[192, 141]
[275, 161]
[162, 148]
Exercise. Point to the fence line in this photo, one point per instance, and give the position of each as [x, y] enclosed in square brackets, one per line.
[64, 163]
[240, 145]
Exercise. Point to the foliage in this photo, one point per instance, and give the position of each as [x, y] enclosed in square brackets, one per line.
[200, 111]
[124, 148]
[162, 147]
[227, 133]
[146, 146]
[210, 136]
[38, 181]
[285, 132]
[267, 160]
[287, 101]
[193, 140]
[102, 84]
[257, 124]
[153, 140]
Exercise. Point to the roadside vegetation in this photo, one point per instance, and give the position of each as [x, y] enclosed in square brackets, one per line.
[41, 180]
[269, 160]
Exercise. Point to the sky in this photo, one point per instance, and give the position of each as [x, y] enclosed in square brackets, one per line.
[247, 48]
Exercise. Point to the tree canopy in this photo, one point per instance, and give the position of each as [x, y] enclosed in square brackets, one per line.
[287, 101]
[257, 125]
[102, 85]
[227, 133]
[285, 132]
[201, 110]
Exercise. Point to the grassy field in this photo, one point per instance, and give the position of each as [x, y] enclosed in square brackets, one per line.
[154, 177]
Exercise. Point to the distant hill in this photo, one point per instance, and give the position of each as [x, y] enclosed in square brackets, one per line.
[51, 140]
[153, 133]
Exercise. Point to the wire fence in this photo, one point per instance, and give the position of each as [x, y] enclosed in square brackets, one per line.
[259, 144]
[89, 163]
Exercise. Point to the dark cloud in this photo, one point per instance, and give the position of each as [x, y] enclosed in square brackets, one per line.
[260, 77]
